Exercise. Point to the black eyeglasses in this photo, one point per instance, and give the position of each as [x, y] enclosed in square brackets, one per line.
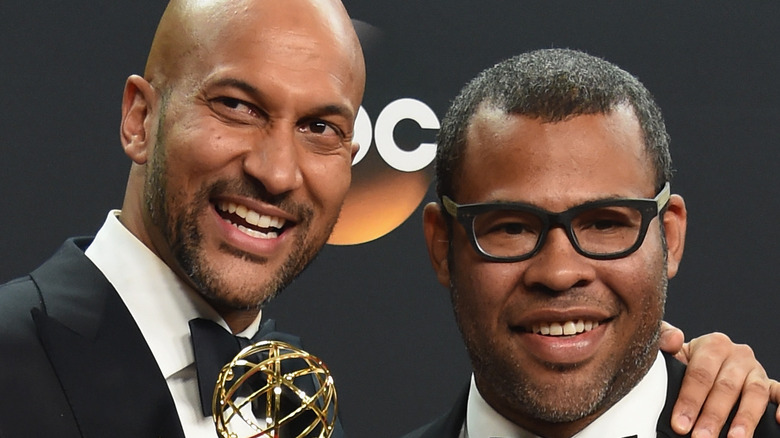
[513, 231]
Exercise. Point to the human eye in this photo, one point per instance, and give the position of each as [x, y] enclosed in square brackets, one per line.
[320, 127]
[608, 220]
[322, 134]
[506, 224]
[234, 109]
[608, 224]
[508, 227]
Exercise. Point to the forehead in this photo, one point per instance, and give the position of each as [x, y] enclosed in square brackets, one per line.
[554, 164]
[273, 41]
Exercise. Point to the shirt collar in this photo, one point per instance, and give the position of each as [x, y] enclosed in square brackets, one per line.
[159, 301]
[635, 414]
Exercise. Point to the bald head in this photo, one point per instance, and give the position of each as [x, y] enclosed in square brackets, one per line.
[193, 29]
[249, 102]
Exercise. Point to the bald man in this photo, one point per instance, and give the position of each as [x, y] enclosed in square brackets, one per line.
[240, 136]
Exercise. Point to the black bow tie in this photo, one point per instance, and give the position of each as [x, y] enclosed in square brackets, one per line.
[214, 347]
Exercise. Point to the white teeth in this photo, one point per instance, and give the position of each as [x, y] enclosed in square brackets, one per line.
[566, 328]
[257, 234]
[253, 218]
[262, 221]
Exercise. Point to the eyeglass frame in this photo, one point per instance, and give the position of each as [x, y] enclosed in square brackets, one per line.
[648, 208]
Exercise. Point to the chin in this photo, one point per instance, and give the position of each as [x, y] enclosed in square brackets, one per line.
[217, 284]
[240, 297]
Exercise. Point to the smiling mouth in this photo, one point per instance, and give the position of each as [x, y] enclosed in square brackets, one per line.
[566, 328]
[250, 222]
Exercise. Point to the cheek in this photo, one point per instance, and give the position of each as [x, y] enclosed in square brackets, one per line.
[199, 155]
[640, 282]
[200, 143]
[482, 289]
[327, 179]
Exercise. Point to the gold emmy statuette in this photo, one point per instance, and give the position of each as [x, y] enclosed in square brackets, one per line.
[272, 389]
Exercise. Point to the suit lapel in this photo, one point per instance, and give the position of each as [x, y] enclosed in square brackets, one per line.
[674, 376]
[448, 425]
[452, 423]
[106, 370]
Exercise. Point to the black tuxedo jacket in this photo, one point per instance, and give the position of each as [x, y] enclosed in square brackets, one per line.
[449, 425]
[73, 362]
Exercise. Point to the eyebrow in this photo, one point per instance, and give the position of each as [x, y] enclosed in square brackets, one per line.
[237, 83]
[323, 110]
[612, 197]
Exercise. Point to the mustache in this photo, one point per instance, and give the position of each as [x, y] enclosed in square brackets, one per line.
[257, 191]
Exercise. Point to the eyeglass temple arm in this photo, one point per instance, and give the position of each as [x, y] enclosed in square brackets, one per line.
[450, 206]
[663, 196]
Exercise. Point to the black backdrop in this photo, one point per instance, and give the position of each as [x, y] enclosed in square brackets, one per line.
[374, 311]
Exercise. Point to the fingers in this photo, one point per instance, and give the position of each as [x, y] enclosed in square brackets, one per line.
[671, 341]
[755, 394]
[707, 354]
[718, 373]
[774, 396]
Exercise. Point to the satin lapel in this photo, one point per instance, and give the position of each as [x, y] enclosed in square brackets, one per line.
[674, 374]
[453, 422]
[106, 370]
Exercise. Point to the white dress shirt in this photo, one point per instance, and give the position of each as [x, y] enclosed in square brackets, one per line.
[635, 414]
[162, 306]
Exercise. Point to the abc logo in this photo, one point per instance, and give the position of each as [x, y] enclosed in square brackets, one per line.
[389, 180]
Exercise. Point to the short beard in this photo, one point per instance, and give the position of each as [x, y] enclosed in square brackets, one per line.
[525, 397]
[180, 231]
[185, 238]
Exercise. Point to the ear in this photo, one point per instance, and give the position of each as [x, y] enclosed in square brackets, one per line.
[437, 240]
[138, 120]
[355, 149]
[675, 223]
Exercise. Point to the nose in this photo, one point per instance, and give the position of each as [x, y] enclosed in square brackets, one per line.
[274, 160]
[558, 267]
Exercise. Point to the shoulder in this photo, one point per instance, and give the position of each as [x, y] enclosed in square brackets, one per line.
[27, 371]
[19, 296]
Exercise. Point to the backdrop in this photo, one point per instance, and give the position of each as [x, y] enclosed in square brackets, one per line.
[374, 311]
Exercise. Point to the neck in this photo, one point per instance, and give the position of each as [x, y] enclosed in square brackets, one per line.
[238, 320]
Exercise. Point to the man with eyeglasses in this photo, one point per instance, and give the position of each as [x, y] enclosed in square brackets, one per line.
[556, 234]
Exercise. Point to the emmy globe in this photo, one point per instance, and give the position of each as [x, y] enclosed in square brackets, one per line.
[272, 389]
